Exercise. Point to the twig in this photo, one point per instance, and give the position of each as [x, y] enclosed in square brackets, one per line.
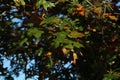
[109, 2]
[2, 13]
[90, 3]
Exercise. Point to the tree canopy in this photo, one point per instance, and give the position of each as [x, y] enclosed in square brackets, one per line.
[60, 39]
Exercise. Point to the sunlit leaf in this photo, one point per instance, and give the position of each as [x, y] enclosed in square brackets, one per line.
[76, 34]
[46, 4]
[19, 2]
[79, 7]
[64, 50]
[22, 2]
[113, 18]
[40, 2]
[98, 10]
[74, 58]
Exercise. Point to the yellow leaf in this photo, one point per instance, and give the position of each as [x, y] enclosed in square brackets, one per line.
[64, 50]
[113, 18]
[94, 30]
[75, 56]
[97, 10]
[105, 15]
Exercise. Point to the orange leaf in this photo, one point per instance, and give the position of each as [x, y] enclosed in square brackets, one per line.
[80, 8]
[106, 15]
[49, 54]
[81, 13]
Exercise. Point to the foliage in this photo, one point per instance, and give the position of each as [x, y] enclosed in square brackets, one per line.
[65, 39]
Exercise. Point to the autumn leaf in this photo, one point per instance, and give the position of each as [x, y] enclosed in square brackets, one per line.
[97, 10]
[82, 13]
[76, 34]
[74, 58]
[113, 18]
[64, 50]
[48, 54]
[105, 15]
[80, 8]
[94, 30]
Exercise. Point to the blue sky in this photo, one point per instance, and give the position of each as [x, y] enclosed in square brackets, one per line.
[118, 5]
[21, 74]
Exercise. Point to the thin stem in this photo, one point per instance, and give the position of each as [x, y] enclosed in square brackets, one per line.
[90, 3]
[2, 13]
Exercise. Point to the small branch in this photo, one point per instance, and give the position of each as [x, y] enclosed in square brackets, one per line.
[105, 9]
[2, 13]
[90, 3]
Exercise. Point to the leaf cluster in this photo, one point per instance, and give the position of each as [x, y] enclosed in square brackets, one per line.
[54, 34]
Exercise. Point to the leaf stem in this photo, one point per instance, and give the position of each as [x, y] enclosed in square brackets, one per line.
[90, 3]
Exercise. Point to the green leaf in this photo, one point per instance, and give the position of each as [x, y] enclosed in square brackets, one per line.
[75, 1]
[49, 20]
[19, 2]
[72, 44]
[111, 59]
[56, 43]
[40, 2]
[30, 24]
[16, 2]
[69, 46]
[40, 51]
[35, 32]
[61, 38]
[50, 63]
[23, 41]
[76, 34]
[87, 33]
[80, 28]
[77, 45]
[46, 4]
[110, 76]
[61, 35]
[22, 2]
[108, 6]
